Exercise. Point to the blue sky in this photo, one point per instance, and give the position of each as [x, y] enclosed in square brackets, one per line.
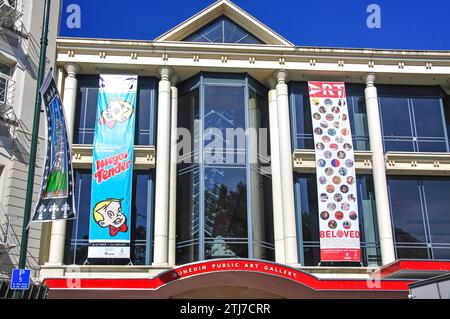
[405, 24]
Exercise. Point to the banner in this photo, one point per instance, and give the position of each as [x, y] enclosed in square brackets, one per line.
[56, 198]
[335, 168]
[112, 168]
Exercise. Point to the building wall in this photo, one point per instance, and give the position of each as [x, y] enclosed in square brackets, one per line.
[21, 46]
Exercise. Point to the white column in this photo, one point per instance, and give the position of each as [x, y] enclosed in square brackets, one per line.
[379, 171]
[276, 174]
[173, 173]
[58, 235]
[286, 164]
[256, 179]
[162, 169]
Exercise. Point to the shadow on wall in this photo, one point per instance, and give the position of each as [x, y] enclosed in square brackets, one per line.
[16, 142]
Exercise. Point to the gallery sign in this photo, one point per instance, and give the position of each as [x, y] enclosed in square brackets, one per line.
[112, 169]
[335, 168]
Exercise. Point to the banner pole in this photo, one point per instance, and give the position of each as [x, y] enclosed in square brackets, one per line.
[34, 143]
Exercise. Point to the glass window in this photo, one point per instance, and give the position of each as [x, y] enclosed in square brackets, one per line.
[420, 216]
[77, 236]
[412, 123]
[302, 124]
[406, 210]
[87, 98]
[395, 117]
[224, 206]
[308, 218]
[5, 73]
[223, 30]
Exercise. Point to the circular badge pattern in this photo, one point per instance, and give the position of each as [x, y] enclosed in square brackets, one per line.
[337, 197]
[341, 155]
[337, 124]
[347, 147]
[335, 109]
[317, 116]
[323, 197]
[321, 163]
[351, 198]
[339, 215]
[344, 117]
[324, 124]
[332, 132]
[318, 131]
[353, 215]
[345, 206]
[328, 102]
[327, 154]
[336, 180]
[324, 215]
[320, 146]
[316, 101]
[334, 147]
[329, 171]
[347, 225]
[331, 206]
[330, 188]
[349, 163]
[332, 224]
[344, 189]
[335, 163]
[343, 171]
[344, 131]
[326, 139]
[322, 110]
[339, 139]
[329, 117]
[322, 180]
[350, 180]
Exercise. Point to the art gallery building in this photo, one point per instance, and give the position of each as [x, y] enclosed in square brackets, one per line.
[252, 229]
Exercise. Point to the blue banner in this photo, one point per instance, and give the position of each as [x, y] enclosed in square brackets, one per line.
[56, 199]
[112, 168]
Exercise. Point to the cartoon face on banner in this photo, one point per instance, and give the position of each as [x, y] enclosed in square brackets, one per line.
[108, 214]
[338, 207]
[118, 110]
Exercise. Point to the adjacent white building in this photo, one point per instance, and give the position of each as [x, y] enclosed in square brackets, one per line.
[20, 33]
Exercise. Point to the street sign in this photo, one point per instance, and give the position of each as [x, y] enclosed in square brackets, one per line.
[20, 279]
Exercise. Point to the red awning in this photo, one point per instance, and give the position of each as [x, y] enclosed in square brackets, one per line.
[412, 269]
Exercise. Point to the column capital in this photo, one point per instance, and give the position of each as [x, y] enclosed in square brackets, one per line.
[165, 72]
[369, 79]
[72, 69]
[174, 79]
[281, 76]
[271, 82]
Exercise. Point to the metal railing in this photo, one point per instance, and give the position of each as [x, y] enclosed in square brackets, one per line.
[7, 97]
[36, 291]
[5, 229]
[10, 12]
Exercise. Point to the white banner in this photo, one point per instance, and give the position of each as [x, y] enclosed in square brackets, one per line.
[336, 178]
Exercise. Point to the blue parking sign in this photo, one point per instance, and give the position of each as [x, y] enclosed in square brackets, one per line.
[20, 279]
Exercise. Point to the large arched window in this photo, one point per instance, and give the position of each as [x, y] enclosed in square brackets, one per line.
[224, 205]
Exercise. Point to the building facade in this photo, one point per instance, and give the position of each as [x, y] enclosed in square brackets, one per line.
[249, 227]
[20, 33]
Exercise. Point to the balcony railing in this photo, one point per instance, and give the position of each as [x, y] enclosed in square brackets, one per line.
[10, 12]
[7, 96]
[5, 231]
